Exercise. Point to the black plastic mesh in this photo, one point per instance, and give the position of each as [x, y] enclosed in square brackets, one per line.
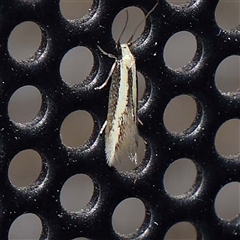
[163, 84]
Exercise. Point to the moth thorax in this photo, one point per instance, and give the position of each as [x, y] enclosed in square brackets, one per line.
[127, 56]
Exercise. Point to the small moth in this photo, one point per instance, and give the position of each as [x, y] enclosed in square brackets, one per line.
[121, 130]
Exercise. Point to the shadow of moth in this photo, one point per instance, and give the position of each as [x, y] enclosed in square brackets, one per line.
[121, 130]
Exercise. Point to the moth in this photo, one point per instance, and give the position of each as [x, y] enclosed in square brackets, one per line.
[121, 132]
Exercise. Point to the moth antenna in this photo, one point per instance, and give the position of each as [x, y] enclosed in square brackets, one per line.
[124, 28]
[131, 37]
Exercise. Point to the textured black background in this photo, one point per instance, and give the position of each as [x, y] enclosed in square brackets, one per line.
[111, 187]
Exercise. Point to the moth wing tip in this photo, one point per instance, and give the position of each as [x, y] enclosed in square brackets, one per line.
[110, 159]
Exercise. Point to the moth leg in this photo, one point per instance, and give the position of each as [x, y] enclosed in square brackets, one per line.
[135, 179]
[140, 121]
[107, 54]
[103, 128]
[109, 75]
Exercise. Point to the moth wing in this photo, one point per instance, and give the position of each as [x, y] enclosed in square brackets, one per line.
[127, 142]
[130, 137]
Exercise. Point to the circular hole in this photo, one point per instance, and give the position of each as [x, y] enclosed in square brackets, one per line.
[24, 40]
[125, 164]
[227, 201]
[180, 49]
[227, 75]
[180, 176]
[26, 226]
[25, 168]
[227, 138]
[180, 113]
[227, 14]
[181, 230]
[136, 15]
[141, 85]
[24, 104]
[75, 9]
[76, 65]
[128, 216]
[76, 128]
[76, 192]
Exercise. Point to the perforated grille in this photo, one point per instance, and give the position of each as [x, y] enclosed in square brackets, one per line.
[145, 182]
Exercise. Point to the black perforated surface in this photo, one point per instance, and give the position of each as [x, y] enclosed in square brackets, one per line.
[163, 147]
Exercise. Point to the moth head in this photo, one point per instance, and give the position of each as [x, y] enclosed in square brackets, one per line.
[127, 56]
